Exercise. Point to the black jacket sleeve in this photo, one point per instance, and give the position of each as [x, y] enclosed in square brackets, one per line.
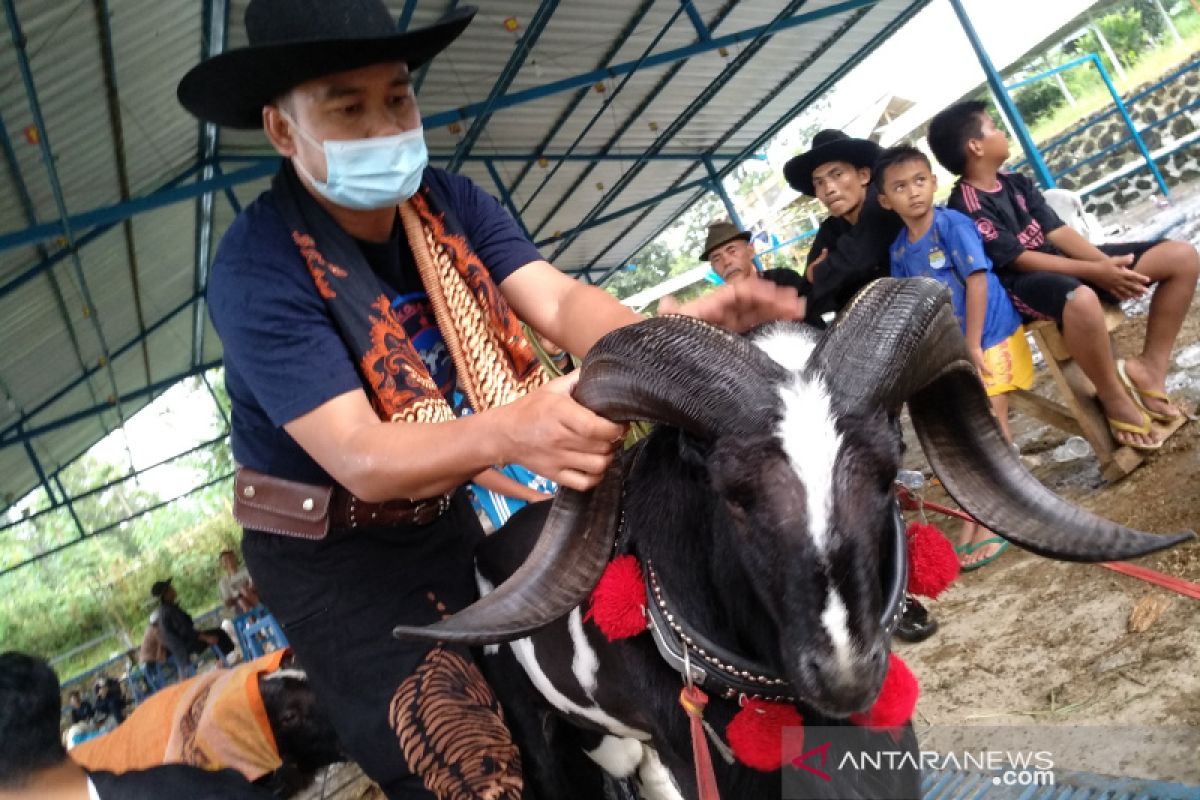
[857, 255]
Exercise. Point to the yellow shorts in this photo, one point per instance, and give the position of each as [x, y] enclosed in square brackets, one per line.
[1011, 364]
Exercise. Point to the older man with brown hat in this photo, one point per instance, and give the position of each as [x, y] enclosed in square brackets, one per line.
[731, 254]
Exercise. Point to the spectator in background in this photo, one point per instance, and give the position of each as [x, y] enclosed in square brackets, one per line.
[110, 699]
[81, 710]
[732, 257]
[34, 765]
[152, 655]
[179, 632]
[236, 587]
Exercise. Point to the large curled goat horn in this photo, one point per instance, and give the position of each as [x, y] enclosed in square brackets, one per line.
[673, 370]
[899, 342]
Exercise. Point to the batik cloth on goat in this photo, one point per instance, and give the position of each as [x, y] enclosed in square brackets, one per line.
[216, 721]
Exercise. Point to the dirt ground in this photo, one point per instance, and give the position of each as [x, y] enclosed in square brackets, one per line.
[1031, 642]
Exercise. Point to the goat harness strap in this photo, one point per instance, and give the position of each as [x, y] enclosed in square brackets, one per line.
[693, 699]
[701, 661]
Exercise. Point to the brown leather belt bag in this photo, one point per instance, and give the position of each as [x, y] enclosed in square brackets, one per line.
[290, 508]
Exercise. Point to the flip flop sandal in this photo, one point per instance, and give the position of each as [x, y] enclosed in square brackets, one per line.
[1118, 426]
[983, 562]
[1139, 395]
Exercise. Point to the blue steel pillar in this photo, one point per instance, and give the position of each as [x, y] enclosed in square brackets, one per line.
[1007, 107]
[719, 187]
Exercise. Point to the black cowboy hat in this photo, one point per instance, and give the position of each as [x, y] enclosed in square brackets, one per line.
[719, 233]
[827, 146]
[293, 41]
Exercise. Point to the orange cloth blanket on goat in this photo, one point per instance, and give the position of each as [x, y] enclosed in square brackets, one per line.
[215, 720]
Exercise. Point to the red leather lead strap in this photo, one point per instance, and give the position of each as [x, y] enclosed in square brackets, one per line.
[1179, 585]
[693, 701]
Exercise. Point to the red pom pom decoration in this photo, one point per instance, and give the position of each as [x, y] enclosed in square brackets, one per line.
[755, 734]
[897, 698]
[619, 599]
[932, 564]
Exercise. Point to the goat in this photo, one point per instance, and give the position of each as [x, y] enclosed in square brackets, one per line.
[762, 511]
[213, 721]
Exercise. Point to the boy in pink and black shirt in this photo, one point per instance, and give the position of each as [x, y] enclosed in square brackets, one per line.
[1051, 272]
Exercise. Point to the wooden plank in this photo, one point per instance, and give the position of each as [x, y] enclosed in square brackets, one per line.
[1048, 411]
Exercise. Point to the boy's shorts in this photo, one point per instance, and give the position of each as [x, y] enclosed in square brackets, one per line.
[1011, 364]
[1041, 295]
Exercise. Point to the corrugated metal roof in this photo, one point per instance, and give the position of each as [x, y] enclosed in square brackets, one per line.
[64, 354]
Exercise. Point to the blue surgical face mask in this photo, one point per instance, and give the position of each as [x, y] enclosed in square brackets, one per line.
[371, 173]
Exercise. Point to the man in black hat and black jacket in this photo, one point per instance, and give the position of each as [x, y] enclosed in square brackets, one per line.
[851, 247]
[364, 303]
[850, 250]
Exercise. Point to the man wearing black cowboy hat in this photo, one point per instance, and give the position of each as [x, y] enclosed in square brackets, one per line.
[731, 254]
[850, 250]
[851, 246]
[362, 302]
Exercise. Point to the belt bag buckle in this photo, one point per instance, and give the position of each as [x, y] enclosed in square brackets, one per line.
[429, 509]
[289, 508]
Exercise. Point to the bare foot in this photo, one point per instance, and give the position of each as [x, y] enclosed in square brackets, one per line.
[1144, 379]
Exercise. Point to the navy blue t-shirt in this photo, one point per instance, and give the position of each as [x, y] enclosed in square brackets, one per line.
[284, 355]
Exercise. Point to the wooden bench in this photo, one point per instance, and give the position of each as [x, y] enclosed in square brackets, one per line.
[1081, 415]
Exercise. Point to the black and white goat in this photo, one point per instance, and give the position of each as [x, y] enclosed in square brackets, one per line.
[762, 511]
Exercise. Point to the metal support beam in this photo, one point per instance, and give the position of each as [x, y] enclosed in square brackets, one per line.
[568, 113]
[699, 102]
[112, 95]
[112, 527]
[118, 212]
[35, 108]
[506, 198]
[1122, 109]
[1007, 107]
[783, 120]
[132, 474]
[668, 57]
[14, 168]
[406, 15]
[215, 34]
[78, 416]
[616, 136]
[702, 31]
[70, 506]
[27, 416]
[41, 473]
[638, 206]
[524, 47]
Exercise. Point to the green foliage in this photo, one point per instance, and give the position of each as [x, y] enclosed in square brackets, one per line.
[1039, 100]
[100, 586]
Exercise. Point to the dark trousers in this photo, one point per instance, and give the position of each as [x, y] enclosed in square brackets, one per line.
[419, 720]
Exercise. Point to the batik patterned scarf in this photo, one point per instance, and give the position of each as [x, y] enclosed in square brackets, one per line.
[494, 361]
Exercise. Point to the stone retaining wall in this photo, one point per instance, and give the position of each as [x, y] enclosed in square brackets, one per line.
[1181, 167]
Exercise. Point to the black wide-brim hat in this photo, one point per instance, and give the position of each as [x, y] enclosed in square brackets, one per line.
[827, 146]
[294, 41]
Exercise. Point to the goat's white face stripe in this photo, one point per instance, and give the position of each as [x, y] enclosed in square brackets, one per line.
[835, 619]
[584, 663]
[811, 442]
[787, 347]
